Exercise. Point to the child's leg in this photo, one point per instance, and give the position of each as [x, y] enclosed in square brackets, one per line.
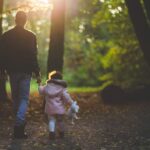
[61, 125]
[51, 126]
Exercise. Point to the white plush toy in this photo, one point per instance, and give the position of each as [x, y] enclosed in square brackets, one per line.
[72, 111]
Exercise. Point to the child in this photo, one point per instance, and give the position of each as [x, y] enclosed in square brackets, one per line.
[56, 98]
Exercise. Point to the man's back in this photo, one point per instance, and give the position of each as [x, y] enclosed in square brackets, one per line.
[20, 50]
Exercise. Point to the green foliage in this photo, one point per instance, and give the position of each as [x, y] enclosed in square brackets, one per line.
[100, 44]
[104, 44]
[124, 62]
[83, 50]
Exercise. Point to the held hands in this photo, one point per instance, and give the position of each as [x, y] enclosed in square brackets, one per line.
[38, 80]
[3, 75]
[37, 76]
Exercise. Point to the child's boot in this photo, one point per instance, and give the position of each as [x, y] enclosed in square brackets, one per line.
[52, 135]
[61, 134]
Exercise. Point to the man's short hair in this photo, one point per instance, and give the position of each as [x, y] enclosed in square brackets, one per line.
[21, 17]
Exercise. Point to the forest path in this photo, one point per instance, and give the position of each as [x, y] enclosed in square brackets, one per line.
[100, 127]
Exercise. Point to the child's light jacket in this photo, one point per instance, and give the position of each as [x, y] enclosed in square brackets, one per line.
[56, 97]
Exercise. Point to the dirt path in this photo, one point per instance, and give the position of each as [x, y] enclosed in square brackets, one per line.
[100, 127]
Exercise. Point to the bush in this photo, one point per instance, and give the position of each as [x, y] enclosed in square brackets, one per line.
[113, 93]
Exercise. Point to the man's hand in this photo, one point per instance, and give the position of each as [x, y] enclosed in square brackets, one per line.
[3, 75]
[37, 76]
[38, 80]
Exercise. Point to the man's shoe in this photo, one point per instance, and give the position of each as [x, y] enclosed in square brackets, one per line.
[19, 132]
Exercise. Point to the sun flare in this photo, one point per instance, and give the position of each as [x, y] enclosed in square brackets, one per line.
[36, 4]
[43, 1]
[39, 2]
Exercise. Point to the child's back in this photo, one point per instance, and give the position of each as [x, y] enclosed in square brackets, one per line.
[56, 96]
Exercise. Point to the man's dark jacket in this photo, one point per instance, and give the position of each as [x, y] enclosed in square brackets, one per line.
[18, 51]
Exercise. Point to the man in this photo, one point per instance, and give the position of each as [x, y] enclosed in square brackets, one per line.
[19, 58]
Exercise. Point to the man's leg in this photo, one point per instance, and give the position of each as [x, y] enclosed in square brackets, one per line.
[20, 84]
[14, 83]
[24, 91]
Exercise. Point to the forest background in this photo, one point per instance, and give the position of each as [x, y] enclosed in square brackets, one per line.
[101, 47]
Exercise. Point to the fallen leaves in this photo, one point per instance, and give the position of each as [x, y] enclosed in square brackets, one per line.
[100, 127]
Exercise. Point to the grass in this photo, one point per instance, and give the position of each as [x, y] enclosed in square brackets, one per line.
[84, 89]
[34, 88]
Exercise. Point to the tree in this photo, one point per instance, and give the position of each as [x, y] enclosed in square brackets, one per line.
[147, 7]
[140, 24]
[56, 46]
[3, 93]
[1, 12]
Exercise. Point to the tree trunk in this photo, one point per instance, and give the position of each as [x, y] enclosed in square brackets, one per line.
[140, 25]
[1, 12]
[56, 47]
[147, 7]
[3, 93]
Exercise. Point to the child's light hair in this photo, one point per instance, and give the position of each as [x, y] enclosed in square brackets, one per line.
[51, 74]
[54, 75]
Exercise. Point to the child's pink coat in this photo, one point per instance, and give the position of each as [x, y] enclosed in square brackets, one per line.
[56, 97]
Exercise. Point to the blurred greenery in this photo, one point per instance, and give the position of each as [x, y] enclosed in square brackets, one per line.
[34, 88]
[100, 44]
